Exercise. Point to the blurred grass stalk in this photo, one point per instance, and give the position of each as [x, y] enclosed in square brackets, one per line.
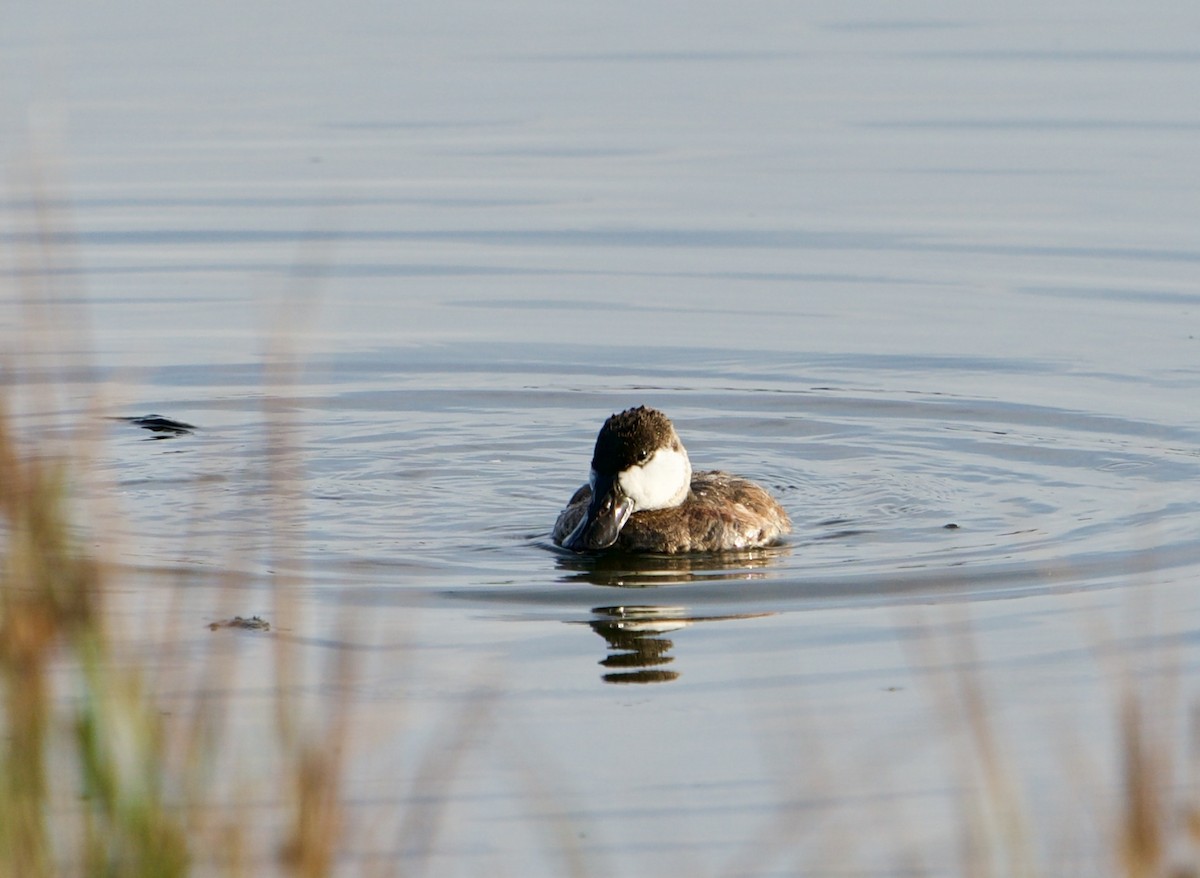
[1147, 814]
[51, 606]
[97, 777]
[145, 781]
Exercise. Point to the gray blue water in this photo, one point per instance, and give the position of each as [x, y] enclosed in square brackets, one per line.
[928, 273]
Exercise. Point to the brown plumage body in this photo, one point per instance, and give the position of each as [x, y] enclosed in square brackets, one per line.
[721, 513]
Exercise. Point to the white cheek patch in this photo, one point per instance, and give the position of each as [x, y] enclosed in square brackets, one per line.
[662, 482]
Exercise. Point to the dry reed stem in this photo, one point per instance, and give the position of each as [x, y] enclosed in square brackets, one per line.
[35, 605]
[52, 623]
[996, 837]
[312, 748]
[1143, 837]
[51, 597]
[419, 827]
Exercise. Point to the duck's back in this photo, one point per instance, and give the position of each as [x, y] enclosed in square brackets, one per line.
[722, 512]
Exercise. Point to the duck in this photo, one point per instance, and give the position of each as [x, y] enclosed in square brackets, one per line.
[642, 496]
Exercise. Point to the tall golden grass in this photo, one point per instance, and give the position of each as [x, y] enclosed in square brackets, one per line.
[52, 596]
[98, 775]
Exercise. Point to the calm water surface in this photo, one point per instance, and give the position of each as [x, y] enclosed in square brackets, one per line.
[931, 278]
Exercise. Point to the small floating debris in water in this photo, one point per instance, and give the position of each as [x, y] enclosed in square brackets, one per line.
[166, 428]
[950, 526]
[254, 623]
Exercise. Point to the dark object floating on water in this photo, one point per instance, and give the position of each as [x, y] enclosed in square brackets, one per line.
[164, 428]
[950, 526]
[254, 623]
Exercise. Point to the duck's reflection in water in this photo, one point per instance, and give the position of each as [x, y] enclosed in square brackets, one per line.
[637, 649]
[626, 570]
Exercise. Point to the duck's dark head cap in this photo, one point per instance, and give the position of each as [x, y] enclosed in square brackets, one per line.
[630, 438]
